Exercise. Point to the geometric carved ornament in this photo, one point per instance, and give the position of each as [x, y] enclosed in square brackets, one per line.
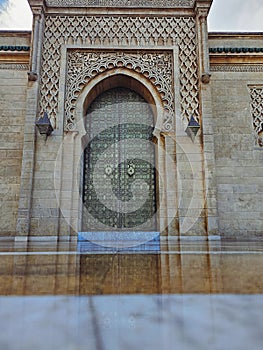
[14, 66]
[121, 3]
[236, 68]
[256, 94]
[120, 32]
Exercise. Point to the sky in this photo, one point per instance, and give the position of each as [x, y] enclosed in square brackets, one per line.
[225, 15]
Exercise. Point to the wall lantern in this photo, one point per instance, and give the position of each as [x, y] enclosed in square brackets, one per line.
[192, 128]
[44, 125]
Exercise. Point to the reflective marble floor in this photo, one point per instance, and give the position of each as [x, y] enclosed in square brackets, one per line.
[190, 295]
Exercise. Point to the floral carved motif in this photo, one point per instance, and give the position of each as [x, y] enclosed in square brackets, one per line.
[130, 32]
[156, 67]
[256, 94]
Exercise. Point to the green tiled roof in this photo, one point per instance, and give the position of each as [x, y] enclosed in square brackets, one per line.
[14, 48]
[236, 49]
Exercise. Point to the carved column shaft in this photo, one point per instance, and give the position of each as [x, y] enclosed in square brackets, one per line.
[203, 45]
[38, 21]
[28, 163]
[207, 123]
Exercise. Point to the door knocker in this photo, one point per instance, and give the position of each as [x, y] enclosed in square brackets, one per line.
[131, 169]
[108, 170]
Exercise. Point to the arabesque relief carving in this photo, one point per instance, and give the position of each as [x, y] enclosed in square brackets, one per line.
[84, 65]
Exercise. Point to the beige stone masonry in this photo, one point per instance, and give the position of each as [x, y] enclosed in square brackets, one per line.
[211, 185]
[12, 114]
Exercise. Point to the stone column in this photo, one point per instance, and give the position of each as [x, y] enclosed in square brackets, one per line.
[67, 186]
[36, 43]
[207, 135]
[171, 186]
[27, 171]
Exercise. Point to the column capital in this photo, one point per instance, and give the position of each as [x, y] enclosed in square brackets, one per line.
[37, 6]
[202, 14]
[202, 8]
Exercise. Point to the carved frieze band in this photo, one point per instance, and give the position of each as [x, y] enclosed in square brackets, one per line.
[14, 66]
[131, 32]
[121, 3]
[256, 94]
[155, 66]
[237, 68]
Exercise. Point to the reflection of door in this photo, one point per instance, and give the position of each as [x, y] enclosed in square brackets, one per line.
[119, 164]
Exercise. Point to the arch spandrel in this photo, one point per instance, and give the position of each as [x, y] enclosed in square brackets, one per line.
[150, 77]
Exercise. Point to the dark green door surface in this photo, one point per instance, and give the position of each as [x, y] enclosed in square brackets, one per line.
[119, 164]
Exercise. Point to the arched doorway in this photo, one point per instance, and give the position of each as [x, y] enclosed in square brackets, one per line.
[119, 176]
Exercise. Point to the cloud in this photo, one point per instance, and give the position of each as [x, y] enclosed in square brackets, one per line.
[251, 16]
[15, 14]
[3, 5]
[236, 15]
[225, 15]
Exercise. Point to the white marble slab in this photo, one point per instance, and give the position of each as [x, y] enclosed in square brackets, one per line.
[128, 322]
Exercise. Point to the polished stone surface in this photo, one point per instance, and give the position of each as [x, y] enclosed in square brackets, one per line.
[155, 322]
[189, 295]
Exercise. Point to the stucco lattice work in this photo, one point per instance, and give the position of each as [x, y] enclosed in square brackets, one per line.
[256, 94]
[157, 67]
[130, 32]
[121, 3]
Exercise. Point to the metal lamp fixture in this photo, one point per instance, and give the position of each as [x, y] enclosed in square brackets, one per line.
[44, 125]
[192, 128]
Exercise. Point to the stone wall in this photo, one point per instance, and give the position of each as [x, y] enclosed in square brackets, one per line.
[232, 125]
[13, 89]
[159, 50]
[239, 156]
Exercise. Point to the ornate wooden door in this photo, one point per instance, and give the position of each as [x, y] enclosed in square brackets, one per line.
[119, 164]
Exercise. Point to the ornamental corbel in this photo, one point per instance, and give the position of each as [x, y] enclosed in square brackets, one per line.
[202, 15]
[37, 12]
[206, 78]
[36, 4]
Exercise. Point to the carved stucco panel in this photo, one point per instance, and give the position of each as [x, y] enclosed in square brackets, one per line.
[108, 32]
[83, 65]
